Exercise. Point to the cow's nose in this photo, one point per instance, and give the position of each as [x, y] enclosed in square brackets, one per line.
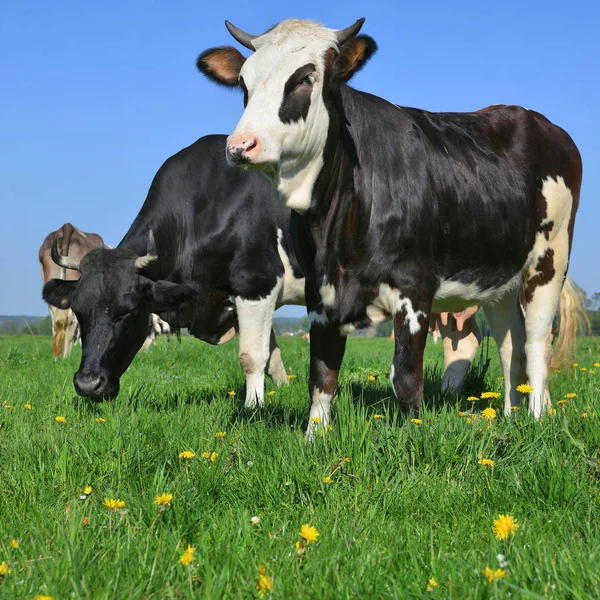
[91, 385]
[243, 148]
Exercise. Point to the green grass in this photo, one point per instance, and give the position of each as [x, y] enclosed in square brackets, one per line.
[411, 504]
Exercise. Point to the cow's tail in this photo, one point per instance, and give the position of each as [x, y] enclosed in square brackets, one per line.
[572, 315]
[67, 230]
[61, 322]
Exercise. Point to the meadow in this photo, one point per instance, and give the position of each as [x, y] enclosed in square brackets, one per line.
[402, 509]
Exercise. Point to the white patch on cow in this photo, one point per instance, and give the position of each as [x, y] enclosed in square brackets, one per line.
[319, 412]
[388, 303]
[347, 329]
[318, 318]
[295, 148]
[255, 319]
[454, 296]
[327, 292]
[292, 290]
[392, 371]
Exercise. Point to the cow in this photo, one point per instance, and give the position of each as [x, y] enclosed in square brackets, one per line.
[400, 212]
[75, 244]
[210, 250]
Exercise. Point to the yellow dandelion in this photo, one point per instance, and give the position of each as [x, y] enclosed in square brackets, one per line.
[85, 522]
[556, 370]
[264, 583]
[592, 372]
[315, 419]
[432, 584]
[416, 421]
[378, 417]
[163, 499]
[491, 574]
[489, 413]
[39, 597]
[346, 460]
[571, 395]
[271, 394]
[561, 402]
[300, 547]
[524, 388]
[371, 378]
[490, 395]
[220, 434]
[210, 456]
[552, 412]
[597, 364]
[4, 570]
[486, 462]
[187, 454]
[584, 415]
[472, 398]
[575, 364]
[187, 558]
[88, 490]
[328, 427]
[515, 408]
[100, 420]
[14, 543]
[461, 413]
[60, 419]
[583, 369]
[309, 533]
[504, 526]
[8, 406]
[231, 393]
[113, 503]
[27, 406]
[290, 376]
[327, 479]
[470, 419]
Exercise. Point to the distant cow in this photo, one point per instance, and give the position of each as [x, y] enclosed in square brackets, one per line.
[403, 212]
[73, 244]
[210, 250]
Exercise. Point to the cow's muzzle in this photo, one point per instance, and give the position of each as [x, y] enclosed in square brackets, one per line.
[242, 149]
[97, 386]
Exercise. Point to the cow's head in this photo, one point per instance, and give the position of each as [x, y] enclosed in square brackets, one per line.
[113, 301]
[288, 84]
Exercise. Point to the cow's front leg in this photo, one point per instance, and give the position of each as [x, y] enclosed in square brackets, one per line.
[411, 322]
[327, 346]
[255, 319]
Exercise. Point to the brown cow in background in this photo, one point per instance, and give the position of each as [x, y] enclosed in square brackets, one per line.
[74, 244]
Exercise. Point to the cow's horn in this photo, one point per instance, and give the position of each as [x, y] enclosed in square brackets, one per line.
[343, 35]
[245, 39]
[151, 254]
[62, 261]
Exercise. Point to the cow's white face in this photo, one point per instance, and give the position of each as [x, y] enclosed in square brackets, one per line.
[285, 123]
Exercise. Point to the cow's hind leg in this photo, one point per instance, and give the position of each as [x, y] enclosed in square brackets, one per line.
[275, 367]
[505, 319]
[460, 348]
[255, 318]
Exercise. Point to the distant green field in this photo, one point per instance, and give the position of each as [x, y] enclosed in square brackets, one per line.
[407, 502]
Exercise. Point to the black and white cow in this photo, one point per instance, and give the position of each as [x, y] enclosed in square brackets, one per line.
[210, 250]
[401, 212]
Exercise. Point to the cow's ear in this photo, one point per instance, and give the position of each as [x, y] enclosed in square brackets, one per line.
[221, 65]
[57, 292]
[353, 56]
[166, 295]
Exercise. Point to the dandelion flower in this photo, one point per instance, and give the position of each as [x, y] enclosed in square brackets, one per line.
[163, 499]
[4, 570]
[584, 415]
[85, 522]
[504, 526]
[515, 408]
[583, 369]
[271, 393]
[491, 574]
[210, 456]
[38, 597]
[255, 520]
[187, 558]
[327, 479]
[371, 378]
[264, 583]
[113, 503]
[60, 419]
[291, 376]
[300, 547]
[315, 419]
[220, 434]
[187, 454]
[346, 460]
[489, 413]
[88, 490]
[524, 388]
[431, 585]
[27, 406]
[486, 462]
[378, 417]
[561, 402]
[14, 543]
[470, 419]
[309, 533]
[416, 421]
[231, 393]
[100, 420]
[472, 398]
[328, 427]
[571, 395]
[596, 364]
[552, 412]
[490, 395]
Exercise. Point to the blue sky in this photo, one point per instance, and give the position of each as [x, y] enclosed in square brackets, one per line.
[96, 95]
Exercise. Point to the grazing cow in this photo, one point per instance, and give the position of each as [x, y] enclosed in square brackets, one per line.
[75, 244]
[400, 211]
[210, 250]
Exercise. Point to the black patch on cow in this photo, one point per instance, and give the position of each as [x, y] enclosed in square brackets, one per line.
[245, 90]
[544, 274]
[296, 95]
